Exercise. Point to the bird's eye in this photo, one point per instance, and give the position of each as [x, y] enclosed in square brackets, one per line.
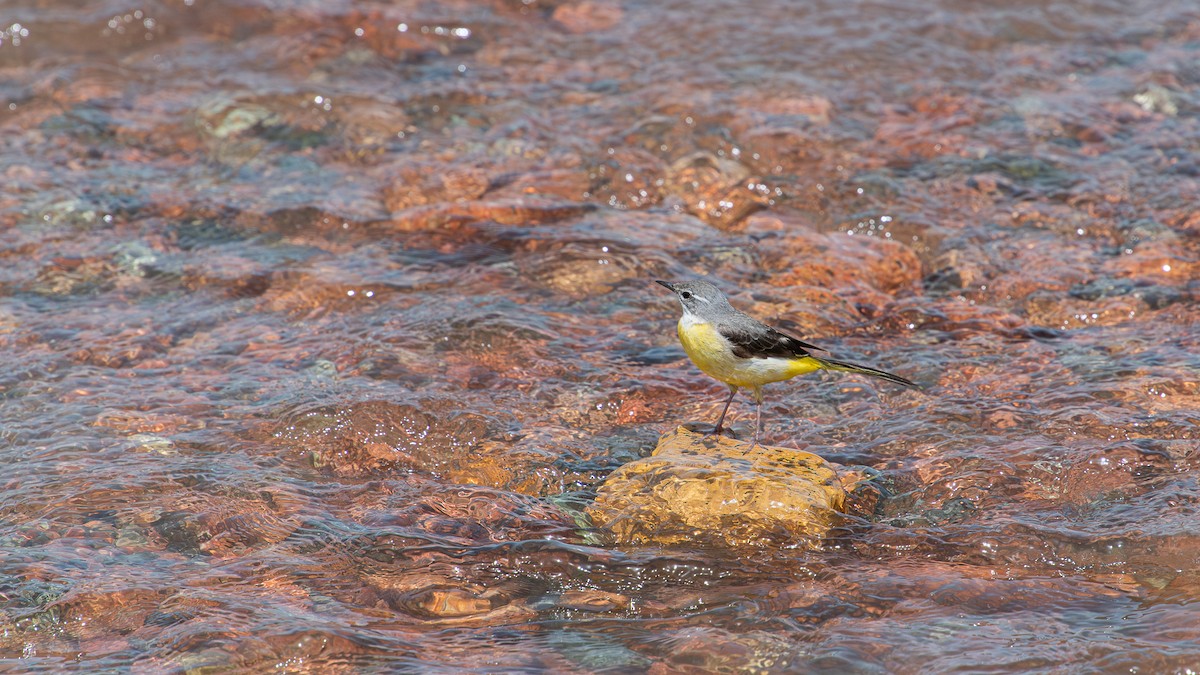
[686, 295]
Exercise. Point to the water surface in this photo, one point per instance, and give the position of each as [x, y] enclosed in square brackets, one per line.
[324, 320]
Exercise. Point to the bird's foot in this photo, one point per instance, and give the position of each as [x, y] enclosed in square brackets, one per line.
[753, 444]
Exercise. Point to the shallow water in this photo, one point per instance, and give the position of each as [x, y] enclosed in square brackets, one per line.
[324, 321]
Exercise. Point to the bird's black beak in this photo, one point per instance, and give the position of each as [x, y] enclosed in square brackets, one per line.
[670, 286]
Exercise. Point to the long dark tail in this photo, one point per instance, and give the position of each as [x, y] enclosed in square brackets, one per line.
[830, 364]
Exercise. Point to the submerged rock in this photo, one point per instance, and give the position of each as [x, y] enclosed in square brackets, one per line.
[717, 491]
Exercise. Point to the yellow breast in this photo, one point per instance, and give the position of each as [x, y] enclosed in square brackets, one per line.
[707, 349]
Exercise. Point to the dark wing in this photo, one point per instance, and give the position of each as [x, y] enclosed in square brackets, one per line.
[761, 341]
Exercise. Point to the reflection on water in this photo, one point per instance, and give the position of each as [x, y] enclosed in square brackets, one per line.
[323, 324]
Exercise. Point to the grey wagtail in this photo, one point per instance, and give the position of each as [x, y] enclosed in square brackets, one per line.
[742, 351]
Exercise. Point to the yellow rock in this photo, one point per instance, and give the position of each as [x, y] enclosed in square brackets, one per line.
[712, 491]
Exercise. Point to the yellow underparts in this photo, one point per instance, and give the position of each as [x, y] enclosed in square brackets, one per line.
[714, 355]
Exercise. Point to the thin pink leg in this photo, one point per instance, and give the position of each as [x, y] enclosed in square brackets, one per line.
[721, 420]
[758, 399]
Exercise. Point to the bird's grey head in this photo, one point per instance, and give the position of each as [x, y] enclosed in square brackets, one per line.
[697, 296]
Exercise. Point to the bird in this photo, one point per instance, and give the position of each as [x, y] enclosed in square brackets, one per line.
[743, 352]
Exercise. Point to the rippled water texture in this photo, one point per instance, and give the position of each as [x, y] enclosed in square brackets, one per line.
[322, 322]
